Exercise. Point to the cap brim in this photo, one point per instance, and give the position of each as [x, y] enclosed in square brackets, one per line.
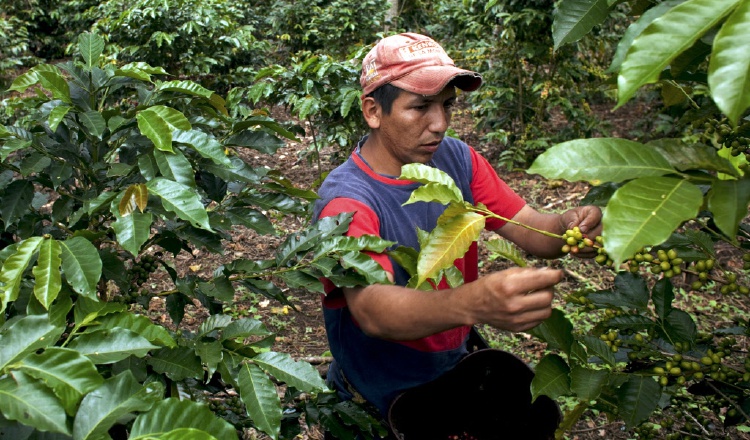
[433, 79]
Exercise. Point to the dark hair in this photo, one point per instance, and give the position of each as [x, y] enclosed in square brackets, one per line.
[385, 95]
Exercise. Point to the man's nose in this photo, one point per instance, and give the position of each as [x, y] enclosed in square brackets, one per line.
[439, 119]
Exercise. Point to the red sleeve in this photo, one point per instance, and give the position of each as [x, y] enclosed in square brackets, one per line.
[364, 222]
[489, 189]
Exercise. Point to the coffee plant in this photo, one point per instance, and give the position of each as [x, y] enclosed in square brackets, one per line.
[669, 204]
[110, 173]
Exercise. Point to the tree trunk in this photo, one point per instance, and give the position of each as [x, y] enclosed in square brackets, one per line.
[392, 15]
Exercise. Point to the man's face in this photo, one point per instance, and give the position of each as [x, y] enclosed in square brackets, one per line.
[413, 130]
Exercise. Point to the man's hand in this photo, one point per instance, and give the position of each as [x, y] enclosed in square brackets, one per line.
[515, 299]
[588, 219]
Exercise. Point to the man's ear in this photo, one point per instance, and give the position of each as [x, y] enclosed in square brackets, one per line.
[372, 112]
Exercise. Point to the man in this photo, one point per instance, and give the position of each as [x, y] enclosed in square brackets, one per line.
[386, 339]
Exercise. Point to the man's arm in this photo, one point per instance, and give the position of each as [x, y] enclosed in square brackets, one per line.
[515, 299]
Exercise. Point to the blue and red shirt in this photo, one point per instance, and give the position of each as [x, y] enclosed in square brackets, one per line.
[381, 369]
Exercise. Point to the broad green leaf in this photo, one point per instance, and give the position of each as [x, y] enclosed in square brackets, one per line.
[645, 212]
[629, 322]
[170, 414]
[666, 38]
[637, 399]
[729, 68]
[175, 166]
[91, 46]
[56, 116]
[88, 310]
[630, 291]
[213, 323]
[257, 140]
[34, 163]
[448, 242]
[81, 265]
[156, 334]
[182, 200]
[600, 160]
[679, 326]
[251, 218]
[52, 79]
[183, 434]
[507, 250]
[69, 374]
[173, 117]
[110, 346]
[635, 29]
[133, 231]
[365, 266]
[696, 156]
[556, 331]
[16, 201]
[13, 268]
[155, 128]
[204, 144]
[211, 354]
[425, 174]
[298, 374]
[575, 18]
[94, 122]
[597, 347]
[551, 378]
[24, 81]
[177, 363]
[24, 336]
[259, 395]
[435, 192]
[587, 383]
[728, 201]
[29, 401]
[47, 278]
[303, 241]
[118, 397]
[186, 87]
[242, 328]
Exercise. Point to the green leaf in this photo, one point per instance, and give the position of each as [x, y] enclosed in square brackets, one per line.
[597, 347]
[600, 160]
[52, 79]
[155, 128]
[47, 279]
[365, 266]
[556, 331]
[182, 200]
[117, 398]
[24, 81]
[81, 265]
[258, 140]
[156, 334]
[177, 363]
[303, 241]
[630, 290]
[551, 378]
[67, 372]
[666, 38]
[575, 18]
[204, 144]
[94, 122]
[448, 242]
[186, 87]
[175, 166]
[259, 395]
[637, 399]
[173, 117]
[16, 201]
[91, 46]
[110, 346]
[13, 269]
[29, 401]
[507, 250]
[695, 156]
[645, 212]
[171, 414]
[435, 192]
[21, 337]
[56, 116]
[679, 326]
[132, 230]
[425, 174]
[587, 383]
[728, 200]
[729, 68]
[242, 328]
[636, 28]
[300, 375]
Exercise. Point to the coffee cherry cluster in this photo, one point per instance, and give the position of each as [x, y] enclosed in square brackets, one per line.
[703, 269]
[612, 340]
[575, 240]
[666, 262]
[142, 270]
[231, 404]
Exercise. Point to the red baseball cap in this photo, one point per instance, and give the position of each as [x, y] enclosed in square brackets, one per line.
[414, 63]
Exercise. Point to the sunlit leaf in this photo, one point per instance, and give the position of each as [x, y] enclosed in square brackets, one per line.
[81, 265]
[575, 18]
[728, 202]
[259, 395]
[448, 242]
[47, 278]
